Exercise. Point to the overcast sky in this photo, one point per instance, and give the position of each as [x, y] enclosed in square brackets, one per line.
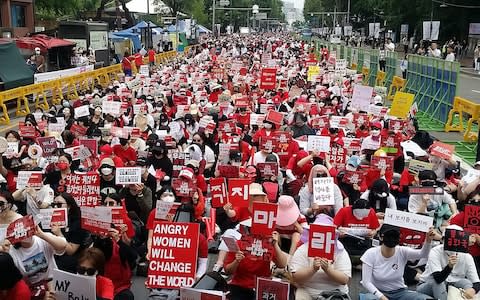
[297, 3]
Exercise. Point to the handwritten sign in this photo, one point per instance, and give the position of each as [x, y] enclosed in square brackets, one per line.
[172, 262]
[323, 193]
[271, 289]
[318, 143]
[68, 286]
[408, 220]
[321, 241]
[128, 175]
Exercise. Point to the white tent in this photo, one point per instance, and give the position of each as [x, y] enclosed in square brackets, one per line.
[140, 6]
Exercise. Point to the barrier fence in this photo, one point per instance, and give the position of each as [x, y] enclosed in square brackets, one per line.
[66, 87]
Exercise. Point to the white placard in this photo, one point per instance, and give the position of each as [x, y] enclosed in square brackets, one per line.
[162, 209]
[256, 119]
[431, 30]
[23, 177]
[82, 111]
[323, 193]
[12, 148]
[128, 175]
[318, 143]
[69, 286]
[341, 65]
[111, 107]
[99, 40]
[45, 217]
[407, 220]
[144, 70]
[361, 97]
[98, 214]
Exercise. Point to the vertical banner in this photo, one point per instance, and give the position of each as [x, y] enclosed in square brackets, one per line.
[322, 241]
[173, 256]
[85, 188]
[268, 79]
[218, 190]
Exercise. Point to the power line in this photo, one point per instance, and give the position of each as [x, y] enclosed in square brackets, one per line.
[456, 5]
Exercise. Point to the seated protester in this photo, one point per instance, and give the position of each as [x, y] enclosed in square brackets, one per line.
[372, 141]
[289, 224]
[261, 156]
[440, 165]
[357, 224]
[38, 250]
[310, 209]
[8, 212]
[383, 267]
[138, 200]
[197, 199]
[379, 197]
[77, 238]
[199, 179]
[202, 153]
[447, 268]
[106, 151]
[12, 284]
[127, 229]
[469, 182]
[350, 191]
[273, 185]
[441, 207]
[92, 263]
[267, 130]
[160, 160]
[56, 178]
[296, 175]
[316, 276]
[147, 179]
[300, 127]
[35, 199]
[107, 177]
[126, 152]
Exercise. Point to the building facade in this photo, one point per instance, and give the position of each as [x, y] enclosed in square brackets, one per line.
[16, 18]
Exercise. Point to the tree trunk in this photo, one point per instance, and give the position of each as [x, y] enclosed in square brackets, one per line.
[127, 13]
[100, 9]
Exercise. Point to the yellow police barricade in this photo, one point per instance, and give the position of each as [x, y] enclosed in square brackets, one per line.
[18, 94]
[365, 72]
[54, 87]
[37, 92]
[380, 80]
[461, 107]
[4, 118]
[398, 84]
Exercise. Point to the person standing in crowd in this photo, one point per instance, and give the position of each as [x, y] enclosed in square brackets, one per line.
[450, 53]
[39, 61]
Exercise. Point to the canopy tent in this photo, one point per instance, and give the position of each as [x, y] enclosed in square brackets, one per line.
[134, 32]
[202, 29]
[121, 35]
[181, 27]
[14, 71]
[43, 42]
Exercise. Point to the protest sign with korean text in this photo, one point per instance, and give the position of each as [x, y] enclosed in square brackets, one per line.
[97, 220]
[275, 117]
[183, 188]
[128, 175]
[354, 177]
[442, 150]
[456, 240]
[53, 217]
[78, 152]
[268, 169]
[321, 241]
[264, 218]
[173, 264]
[401, 104]
[111, 107]
[20, 229]
[472, 219]
[218, 191]
[323, 191]
[27, 131]
[229, 171]
[166, 210]
[318, 143]
[338, 157]
[415, 166]
[268, 79]
[268, 143]
[91, 144]
[272, 289]
[85, 188]
[68, 286]
[426, 190]
[238, 191]
[362, 96]
[32, 179]
[408, 220]
[382, 163]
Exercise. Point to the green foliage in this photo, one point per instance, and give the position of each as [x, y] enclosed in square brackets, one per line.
[312, 6]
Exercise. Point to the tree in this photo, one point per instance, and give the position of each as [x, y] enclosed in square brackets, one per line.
[311, 6]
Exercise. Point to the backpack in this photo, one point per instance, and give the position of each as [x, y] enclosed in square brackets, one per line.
[333, 295]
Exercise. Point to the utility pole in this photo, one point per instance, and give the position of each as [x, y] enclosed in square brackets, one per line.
[213, 18]
[119, 19]
[348, 12]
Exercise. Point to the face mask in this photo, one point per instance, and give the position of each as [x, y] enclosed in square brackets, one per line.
[37, 52]
[267, 126]
[168, 199]
[312, 100]
[375, 132]
[236, 139]
[334, 102]
[106, 171]
[62, 166]
[361, 213]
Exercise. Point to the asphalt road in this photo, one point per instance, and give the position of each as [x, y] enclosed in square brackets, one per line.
[469, 88]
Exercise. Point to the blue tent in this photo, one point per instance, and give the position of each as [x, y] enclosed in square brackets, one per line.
[181, 27]
[121, 35]
[202, 29]
[134, 32]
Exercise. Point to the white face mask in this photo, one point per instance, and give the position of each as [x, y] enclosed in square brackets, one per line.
[361, 213]
[350, 168]
[312, 100]
[236, 139]
[168, 198]
[375, 132]
[267, 126]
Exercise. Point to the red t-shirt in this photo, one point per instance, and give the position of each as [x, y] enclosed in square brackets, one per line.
[125, 155]
[292, 164]
[459, 220]
[119, 273]
[151, 56]
[105, 288]
[126, 64]
[19, 291]
[345, 218]
[138, 60]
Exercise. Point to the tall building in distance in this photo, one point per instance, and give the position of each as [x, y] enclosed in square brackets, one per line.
[291, 13]
[16, 18]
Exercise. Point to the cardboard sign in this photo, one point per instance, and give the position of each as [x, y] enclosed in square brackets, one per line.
[85, 188]
[229, 171]
[199, 294]
[425, 190]
[361, 97]
[382, 163]
[218, 191]
[69, 286]
[48, 145]
[53, 217]
[31, 179]
[456, 241]
[166, 210]
[275, 117]
[238, 191]
[183, 188]
[323, 193]
[20, 229]
[97, 220]
[415, 166]
[111, 107]
[353, 177]
[173, 264]
[271, 289]
[321, 241]
[318, 143]
[81, 111]
[408, 220]
[401, 105]
[267, 170]
[338, 157]
[472, 219]
[128, 175]
[442, 150]
[268, 79]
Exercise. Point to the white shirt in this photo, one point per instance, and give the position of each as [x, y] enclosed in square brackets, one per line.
[450, 57]
[369, 144]
[415, 202]
[391, 203]
[438, 260]
[390, 47]
[436, 53]
[320, 281]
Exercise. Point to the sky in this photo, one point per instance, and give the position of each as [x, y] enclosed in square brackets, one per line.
[297, 3]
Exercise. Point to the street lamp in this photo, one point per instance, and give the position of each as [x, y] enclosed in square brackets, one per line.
[255, 10]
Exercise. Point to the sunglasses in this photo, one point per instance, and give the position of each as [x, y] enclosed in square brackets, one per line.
[374, 128]
[3, 203]
[58, 204]
[86, 271]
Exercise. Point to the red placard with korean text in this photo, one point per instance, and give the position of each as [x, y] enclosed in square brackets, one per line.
[183, 188]
[322, 241]
[173, 264]
[472, 219]
[27, 131]
[229, 171]
[338, 157]
[238, 191]
[268, 143]
[382, 163]
[268, 169]
[218, 190]
[456, 241]
[353, 177]
[275, 117]
[264, 218]
[85, 188]
[442, 150]
[268, 289]
[20, 229]
[268, 79]
[91, 144]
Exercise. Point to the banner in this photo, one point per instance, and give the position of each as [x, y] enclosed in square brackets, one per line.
[408, 220]
[431, 30]
[321, 241]
[85, 188]
[218, 191]
[264, 218]
[238, 191]
[323, 193]
[68, 286]
[54, 75]
[128, 175]
[268, 79]
[269, 289]
[173, 256]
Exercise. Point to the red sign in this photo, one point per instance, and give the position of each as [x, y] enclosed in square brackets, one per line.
[275, 117]
[382, 163]
[91, 144]
[353, 177]
[48, 144]
[268, 79]
[267, 170]
[229, 171]
[391, 144]
[238, 191]
[218, 190]
[26, 131]
[412, 238]
[228, 126]
[78, 130]
[20, 229]
[360, 119]
[173, 264]
[85, 188]
[396, 125]
[268, 143]
[268, 289]
[183, 188]
[263, 220]
[472, 219]
[322, 241]
[180, 100]
[442, 150]
[36, 180]
[255, 248]
[320, 122]
[338, 157]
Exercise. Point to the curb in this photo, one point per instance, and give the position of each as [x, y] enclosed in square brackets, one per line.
[469, 73]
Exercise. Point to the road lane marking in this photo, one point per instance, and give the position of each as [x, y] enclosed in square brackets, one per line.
[475, 91]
